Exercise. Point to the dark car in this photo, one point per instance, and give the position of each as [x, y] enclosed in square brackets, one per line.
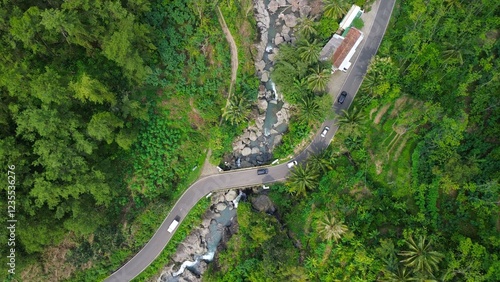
[342, 97]
[262, 171]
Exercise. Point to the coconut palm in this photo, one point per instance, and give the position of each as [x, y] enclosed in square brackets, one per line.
[302, 178]
[370, 81]
[351, 120]
[323, 161]
[237, 110]
[318, 80]
[335, 8]
[308, 111]
[330, 228]
[306, 27]
[420, 256]
[309, 51]
[402, 274]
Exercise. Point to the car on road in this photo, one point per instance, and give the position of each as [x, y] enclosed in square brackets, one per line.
[325, 131]
[342, 96]
[174, 224]
[291, 164]
[262, 171]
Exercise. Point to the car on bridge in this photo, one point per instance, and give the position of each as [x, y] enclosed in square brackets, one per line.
[262, 171]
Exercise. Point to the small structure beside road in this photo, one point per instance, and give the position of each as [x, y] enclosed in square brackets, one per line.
[342, 46]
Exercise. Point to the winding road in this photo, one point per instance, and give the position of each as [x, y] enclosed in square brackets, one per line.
[249, 177]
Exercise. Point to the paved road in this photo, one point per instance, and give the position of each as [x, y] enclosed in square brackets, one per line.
[247, 177]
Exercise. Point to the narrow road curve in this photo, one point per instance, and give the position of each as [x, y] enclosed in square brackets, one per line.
[248, 177]
[233, 49]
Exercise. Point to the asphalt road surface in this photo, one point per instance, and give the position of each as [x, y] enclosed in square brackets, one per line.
[249, 177]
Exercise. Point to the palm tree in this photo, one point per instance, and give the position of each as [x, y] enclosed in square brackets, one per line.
[318, 80]
[420, 255]
[306, 27]
[335, 8]
[352, 119]
[303, 178]
[330, 228]
[237, 110]
[399, 275]
[323, 161]
[370, 81]
[309, 111]
[309, 51]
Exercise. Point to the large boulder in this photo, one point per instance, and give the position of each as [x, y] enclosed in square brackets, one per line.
[278, 39]
[253, 136]
[262, 203]
[260, 65]
[265, 75]
[255, 150]
[290, 20]
[262, 104]
[273, 6]
[246, 151]
[231, 195]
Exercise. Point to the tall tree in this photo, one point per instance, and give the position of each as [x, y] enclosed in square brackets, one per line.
[309, 51]
[318, 80]
[331, 228]
[351, 119]
[303, 178]
[335, 8]
[420, 255]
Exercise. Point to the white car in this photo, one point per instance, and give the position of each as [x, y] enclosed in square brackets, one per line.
[325, 131]
[291, 164]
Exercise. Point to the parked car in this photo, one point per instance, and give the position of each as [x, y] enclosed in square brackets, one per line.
[291, 164]
[325, 131]
[262, 171]
[342, 96]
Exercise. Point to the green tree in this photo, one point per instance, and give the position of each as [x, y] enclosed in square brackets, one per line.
[420, 256]
[351, 119]
[237, 110]
[330, 228]
[302, 178]
[318, 80]
[309, 111]
[309, 51]
[335, 8]
[306, 28]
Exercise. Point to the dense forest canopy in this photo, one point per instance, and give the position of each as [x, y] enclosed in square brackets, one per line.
[70, 77]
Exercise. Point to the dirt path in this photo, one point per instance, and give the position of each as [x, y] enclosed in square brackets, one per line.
[208, 168]
[234, 52]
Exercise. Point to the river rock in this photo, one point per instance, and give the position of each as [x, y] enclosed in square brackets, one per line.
[253, 136]
[273, 131]
[262, 203]
[271, 57]
[246, 151]
[262, 104]
[295, 5]
[259, 134]
[278, 39]
[221, 206]
[277, 139]
[260, 65]
[265, 74]
[304, 10]
[238, 145]
[259, 122]
[255, 150]
[231, 195]
[290, 20]
[282, 3]
[273, 6]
